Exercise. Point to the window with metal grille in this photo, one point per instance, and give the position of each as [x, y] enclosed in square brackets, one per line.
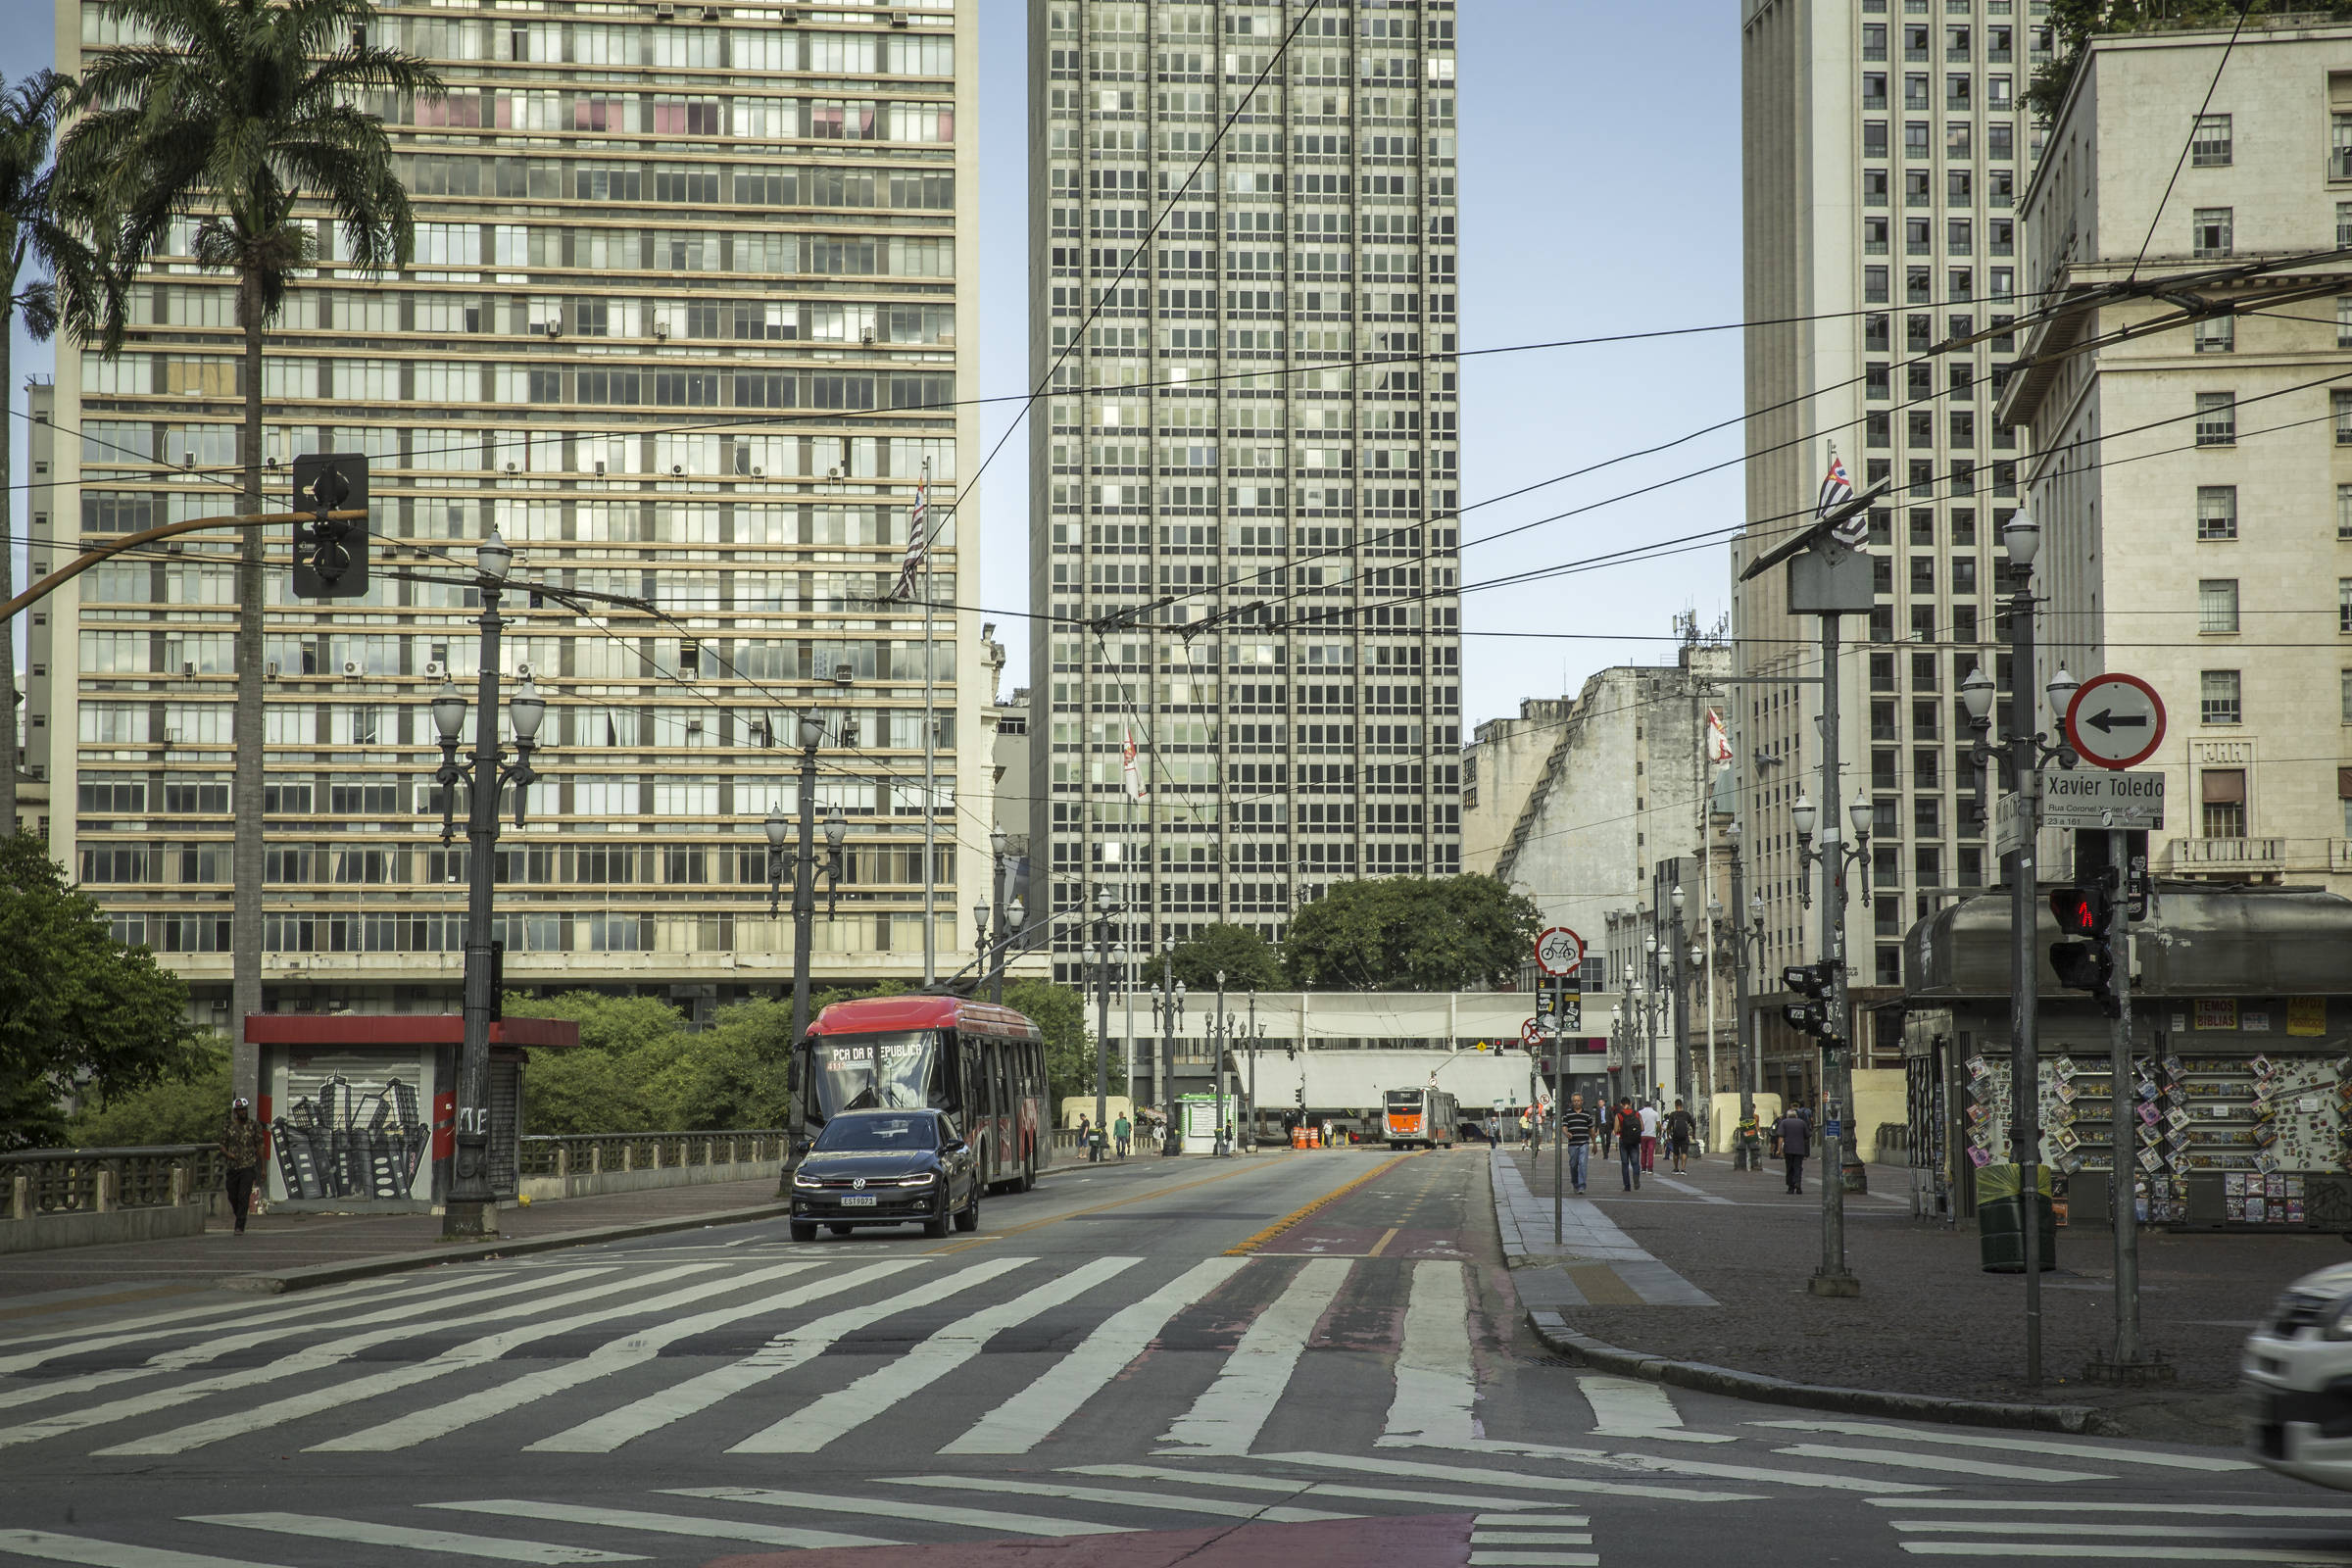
[2218, 699]
[2217, 605]
[2209, 143]
[2210, 230]
[2216, 418]
[2217, 511]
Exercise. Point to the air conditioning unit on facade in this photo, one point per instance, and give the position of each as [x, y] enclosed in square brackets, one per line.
[526, 672]
[353, 670]
[270, 670]
[434, 669]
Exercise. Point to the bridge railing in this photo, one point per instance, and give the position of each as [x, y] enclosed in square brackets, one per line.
[102, 1180]
[599, 1153]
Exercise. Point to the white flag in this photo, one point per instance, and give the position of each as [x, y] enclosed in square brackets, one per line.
[1719, 744]
[1127, 765]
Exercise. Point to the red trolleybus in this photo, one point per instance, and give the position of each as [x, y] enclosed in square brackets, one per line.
[982, 1064]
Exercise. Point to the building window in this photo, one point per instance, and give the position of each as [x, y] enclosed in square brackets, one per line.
[2342, 402]
[2217, 605]
[2216, 418]
[2344, 304]
[2216, 334]
[2343, 511]
[2209, 143]
[2344, 603]
[2209, 231]
[2343, 225]
[2222, 795]
[2218, 698]
[2345, 696]
[1873, 285]
[1874, 236]
[2217, 511]
[2339, 151]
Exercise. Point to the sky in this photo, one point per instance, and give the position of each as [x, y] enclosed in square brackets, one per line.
[1600, 190]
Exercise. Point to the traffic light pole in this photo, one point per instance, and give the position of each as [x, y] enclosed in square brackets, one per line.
[1833, 1277]
[2131, 1361]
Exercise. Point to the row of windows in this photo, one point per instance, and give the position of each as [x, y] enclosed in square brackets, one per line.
[599, 931]
[218, 444]
[355, 864]
[509, 177]
[1959, 139]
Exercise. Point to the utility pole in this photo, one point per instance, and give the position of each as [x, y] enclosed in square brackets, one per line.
[1102, 1009]
[1682, 953]
[921, 520]
[2121, 1199]
[1219, 1034]
[469, 1210]
[1250, 1113]
[1168, 1003]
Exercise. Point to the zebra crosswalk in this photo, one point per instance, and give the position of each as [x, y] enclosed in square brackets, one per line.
[1517, 1515]
[969, 1397]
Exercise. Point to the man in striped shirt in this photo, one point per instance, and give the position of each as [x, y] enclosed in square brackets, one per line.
[1576, 1129]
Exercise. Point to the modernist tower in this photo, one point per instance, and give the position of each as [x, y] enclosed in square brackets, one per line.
[1243, 549]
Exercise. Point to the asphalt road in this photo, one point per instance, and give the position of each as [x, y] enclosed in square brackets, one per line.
[1135, 1365]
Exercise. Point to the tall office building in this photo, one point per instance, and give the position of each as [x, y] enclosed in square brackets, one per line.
[1242, 544]
[1886, 146]
[682, 324]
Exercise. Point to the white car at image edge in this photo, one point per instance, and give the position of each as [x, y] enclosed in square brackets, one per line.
[2298, 1378]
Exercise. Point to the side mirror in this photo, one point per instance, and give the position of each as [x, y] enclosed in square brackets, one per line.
[953, 1146]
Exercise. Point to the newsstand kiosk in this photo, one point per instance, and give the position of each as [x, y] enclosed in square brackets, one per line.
[358, 1110]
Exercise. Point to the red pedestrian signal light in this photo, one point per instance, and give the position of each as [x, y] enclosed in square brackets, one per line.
[2082, 912]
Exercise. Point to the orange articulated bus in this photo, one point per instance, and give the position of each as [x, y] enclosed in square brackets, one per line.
[1418, 1116]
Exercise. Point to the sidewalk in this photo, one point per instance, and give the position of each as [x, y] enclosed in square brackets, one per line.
[275, 1243]
[1929, 1320]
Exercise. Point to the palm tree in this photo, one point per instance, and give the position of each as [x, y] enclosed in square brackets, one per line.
[30, 232]
[244, 116]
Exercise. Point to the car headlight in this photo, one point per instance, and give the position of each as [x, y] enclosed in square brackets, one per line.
[919, 1179]
[798, 1180]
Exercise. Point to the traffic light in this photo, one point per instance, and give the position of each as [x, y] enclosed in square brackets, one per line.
[2094, 856]
[330, 555]
[1815, 982]
[2085, 912]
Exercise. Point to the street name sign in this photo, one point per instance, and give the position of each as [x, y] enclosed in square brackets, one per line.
[1560, 953]
[2115, 722]
[2112, 800]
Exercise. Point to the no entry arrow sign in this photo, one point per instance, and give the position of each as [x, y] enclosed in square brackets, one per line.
[2115, 722]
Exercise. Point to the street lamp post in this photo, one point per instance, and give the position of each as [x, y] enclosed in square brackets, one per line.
[1103, 907]
[470, 1211]
[2026, 751]
[1658, 969]
[1249, 1114]
[1220, 1033]
[1681, 1002]
[996, 894]
[1834, 1277]
[1167, 1006]
[1749, 913]
[804, 881]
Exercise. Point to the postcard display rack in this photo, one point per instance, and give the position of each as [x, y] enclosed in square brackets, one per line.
[2262, 1124]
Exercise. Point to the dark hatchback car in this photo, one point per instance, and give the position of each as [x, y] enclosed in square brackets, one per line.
[886, 1167]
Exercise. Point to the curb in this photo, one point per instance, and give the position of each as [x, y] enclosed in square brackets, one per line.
[2081, 1419]
[308, 1279]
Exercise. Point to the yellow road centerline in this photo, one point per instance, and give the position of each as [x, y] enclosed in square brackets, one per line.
[1116, 1202]
[1296, 1214]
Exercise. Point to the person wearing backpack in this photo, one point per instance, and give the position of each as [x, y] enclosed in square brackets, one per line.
[1629, 1144]
[1679, 1128]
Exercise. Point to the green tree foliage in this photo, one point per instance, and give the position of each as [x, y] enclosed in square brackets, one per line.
[1061, 1012]
[78, 1010]
[174, 1111]
[1238, 950]
[1410, 933]
[2073, 23]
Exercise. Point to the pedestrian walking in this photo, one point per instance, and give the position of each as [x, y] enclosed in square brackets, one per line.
[1120, 1132]
[241, 1153]
[1576, 1135]
[1795, 1141]
[1629, 1144]
[1652, 1122]
[1679, 1128]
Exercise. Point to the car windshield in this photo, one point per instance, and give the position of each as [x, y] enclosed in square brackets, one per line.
[878, 1132]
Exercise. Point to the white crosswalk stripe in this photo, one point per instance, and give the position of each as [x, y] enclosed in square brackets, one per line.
[1125, 1498]
[1627, 1408]
[1504, 1479]
[1227, 1419]
[1657, 1464]
[1018, 1524]
[314, 1359]
[2019, 1443]
[1435, 1384]
[615, 1356]
[163, 1326]
[474, 1354]
[432, 1306]
[665, 1524]
[814, 1426]
[360, 1533]
[781, 1355]
[1039, 1409]
[2236, 1531]
[50, 1546]
[1937, 1463]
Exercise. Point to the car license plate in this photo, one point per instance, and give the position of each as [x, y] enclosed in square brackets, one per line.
[859, 1200]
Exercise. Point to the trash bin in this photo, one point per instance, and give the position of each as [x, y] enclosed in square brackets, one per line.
[2000, 1220]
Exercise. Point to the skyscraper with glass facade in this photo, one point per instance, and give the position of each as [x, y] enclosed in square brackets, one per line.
[681, 324]
[1887, 144]
[1244, 462]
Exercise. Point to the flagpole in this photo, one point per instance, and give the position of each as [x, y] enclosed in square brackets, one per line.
[930, 748]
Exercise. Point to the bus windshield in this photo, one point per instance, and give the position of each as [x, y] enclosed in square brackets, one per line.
[1405, 1100]
[900, 1070]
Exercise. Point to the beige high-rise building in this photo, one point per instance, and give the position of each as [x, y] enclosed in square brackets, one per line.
[2194, 485]
[1886, 143]
[687, 321]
